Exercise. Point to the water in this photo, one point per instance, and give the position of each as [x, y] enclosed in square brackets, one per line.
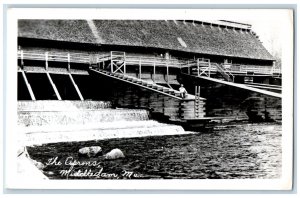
[230, 152]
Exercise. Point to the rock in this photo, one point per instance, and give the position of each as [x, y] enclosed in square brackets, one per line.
[39, 165]
[91, 151]
[114, 154]
[50, 173]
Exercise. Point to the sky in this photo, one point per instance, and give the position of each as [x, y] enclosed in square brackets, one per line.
[272, 26]
[270, 35]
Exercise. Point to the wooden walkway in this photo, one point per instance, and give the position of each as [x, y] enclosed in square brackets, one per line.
[143, 61]
[143, 84]
[172, 106]
[242, 86]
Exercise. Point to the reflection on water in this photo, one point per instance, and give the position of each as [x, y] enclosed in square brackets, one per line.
[241, 151]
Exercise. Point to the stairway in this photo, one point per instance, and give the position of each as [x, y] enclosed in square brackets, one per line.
[142, 83]
[226, 74]
[169, 102]
[206, 68]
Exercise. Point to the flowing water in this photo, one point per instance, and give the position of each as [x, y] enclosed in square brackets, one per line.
[229, 152]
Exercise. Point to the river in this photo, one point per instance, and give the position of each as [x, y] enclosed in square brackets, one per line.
[229, 152]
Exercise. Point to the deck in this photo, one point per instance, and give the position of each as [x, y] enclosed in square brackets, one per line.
[199, 65]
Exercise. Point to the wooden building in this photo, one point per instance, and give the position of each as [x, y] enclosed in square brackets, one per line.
[140, 63]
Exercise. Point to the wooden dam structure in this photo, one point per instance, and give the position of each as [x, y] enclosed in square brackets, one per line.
[227, 72]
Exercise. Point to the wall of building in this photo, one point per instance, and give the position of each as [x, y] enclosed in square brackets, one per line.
[65, 47]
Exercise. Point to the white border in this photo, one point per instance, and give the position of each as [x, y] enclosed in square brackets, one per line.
[234, 184]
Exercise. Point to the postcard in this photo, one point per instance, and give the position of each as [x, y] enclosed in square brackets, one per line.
[194, 99]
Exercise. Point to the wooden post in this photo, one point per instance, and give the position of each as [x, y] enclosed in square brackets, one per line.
[140, 68]
[28, 86]
[154, 71]
[53, 86]
[198, 67]
[111, 63]
[46, 59]
[22, 59]
[189, 69]
[69, 60]
[124, 63]
[167, 71]
[76, 87]
[209, 68]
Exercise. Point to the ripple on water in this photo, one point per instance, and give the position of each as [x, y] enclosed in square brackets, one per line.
[242, 151]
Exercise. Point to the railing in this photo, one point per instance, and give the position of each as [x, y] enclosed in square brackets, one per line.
[150, 61]
[276, 71]
[225, 72]
[101, 60]
[54, 56]
[117, 62]
[251, 68]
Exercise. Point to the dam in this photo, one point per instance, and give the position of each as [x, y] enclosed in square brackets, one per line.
[93, 82]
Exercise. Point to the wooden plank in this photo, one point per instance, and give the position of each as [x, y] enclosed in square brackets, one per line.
[46, 59]
[167, 72]
[22, 58]
[140, 69]
[76, 87]
[242, 86]
[264, 87]
[111, 63]
[69, 66]
[154, 70]
[136, 84]
[53, 86]
[28, 86]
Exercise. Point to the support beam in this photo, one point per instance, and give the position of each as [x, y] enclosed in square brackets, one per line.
[69, 60]
[140, 69]
[198, 67]
[242, 86]
[167, 72]
[111, 63]
[124, 63]
[154, 71]
[46, 61]
[76, 87]
[53, 86]
[119, 68]
[22, 59]
[28, 86]
[209, 68]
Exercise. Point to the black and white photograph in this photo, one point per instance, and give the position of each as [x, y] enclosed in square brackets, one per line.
[183, 96]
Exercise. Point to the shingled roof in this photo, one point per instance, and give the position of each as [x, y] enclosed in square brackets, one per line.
[61, 30]
[172, 35]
